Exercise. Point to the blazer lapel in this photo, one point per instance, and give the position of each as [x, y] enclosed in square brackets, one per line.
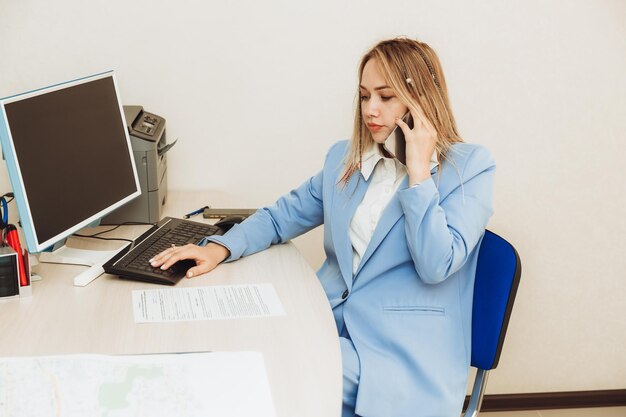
[345, 202]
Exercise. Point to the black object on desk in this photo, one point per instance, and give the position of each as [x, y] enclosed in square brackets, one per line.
[228, 222]
[133, 263]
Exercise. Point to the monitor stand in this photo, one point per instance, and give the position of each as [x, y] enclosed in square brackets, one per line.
[94, 259]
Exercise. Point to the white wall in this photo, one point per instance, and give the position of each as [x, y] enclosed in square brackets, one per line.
[258, 90]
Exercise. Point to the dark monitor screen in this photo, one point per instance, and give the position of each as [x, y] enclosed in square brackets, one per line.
[71, 154]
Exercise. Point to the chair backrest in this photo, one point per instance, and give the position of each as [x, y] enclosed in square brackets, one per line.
[498, 274]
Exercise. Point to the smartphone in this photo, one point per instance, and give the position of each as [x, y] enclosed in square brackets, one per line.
[395, 144]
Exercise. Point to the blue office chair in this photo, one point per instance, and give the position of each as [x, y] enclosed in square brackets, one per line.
[498, 274]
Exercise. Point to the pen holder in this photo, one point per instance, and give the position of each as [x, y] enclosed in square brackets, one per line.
[9, 273]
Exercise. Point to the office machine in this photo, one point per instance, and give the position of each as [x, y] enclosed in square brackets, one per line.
[70, 161]
[149, 142]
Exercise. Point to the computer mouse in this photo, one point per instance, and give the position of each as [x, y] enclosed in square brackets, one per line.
[227, 222]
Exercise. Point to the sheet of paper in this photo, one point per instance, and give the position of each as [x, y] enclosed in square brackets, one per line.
[206, 303]
[225, 384]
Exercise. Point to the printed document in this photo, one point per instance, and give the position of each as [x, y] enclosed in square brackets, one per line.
[225, 384]
[206, 303]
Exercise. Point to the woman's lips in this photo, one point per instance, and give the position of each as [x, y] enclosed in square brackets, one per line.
[374, 127]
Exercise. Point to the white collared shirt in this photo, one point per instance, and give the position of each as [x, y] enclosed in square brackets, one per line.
[386, 176]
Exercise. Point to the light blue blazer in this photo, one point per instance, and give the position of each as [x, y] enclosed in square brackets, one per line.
[408, 307]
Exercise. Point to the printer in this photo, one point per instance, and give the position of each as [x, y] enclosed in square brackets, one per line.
[149, 144]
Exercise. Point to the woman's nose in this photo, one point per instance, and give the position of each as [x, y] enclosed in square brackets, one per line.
[372, 108]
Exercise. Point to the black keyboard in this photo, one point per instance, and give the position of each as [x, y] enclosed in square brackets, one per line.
[133, 263]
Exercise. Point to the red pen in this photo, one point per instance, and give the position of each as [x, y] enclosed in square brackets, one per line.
[13, 240]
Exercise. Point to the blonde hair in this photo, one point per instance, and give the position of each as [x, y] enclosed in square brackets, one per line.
[413, 71]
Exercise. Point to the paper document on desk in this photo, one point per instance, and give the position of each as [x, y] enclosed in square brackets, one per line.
[216, 302]
[225, 384]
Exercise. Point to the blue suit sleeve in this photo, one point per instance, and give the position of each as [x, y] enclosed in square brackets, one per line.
[442, 231]
[292, 215]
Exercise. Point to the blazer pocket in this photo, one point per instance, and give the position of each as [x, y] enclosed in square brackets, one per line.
[422, 310]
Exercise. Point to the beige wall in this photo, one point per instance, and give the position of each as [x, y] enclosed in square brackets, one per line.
[258, 90]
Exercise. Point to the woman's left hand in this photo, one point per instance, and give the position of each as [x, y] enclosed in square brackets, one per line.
[420, 145]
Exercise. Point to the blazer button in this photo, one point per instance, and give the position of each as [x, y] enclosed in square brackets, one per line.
[345, 294]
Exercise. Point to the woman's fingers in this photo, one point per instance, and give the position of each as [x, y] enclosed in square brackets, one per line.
[205, 257]
[175, 254]
[170, 256]
[421, 126]
[158, 259]
[405, 128]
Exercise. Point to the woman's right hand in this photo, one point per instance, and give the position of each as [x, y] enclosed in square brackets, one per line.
[420, 144]
[206, 257]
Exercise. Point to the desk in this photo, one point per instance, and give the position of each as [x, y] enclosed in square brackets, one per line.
[301, 349]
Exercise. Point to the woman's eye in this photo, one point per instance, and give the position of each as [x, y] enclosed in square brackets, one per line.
[386, 98]
[363, 98]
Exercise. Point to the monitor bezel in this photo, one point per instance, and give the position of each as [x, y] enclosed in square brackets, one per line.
[15, 175]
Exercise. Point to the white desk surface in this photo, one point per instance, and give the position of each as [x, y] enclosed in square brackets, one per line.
[301, 349]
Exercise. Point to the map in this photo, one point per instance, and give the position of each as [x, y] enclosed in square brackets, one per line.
[190, 384]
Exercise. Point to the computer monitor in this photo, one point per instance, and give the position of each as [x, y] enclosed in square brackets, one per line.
[68, 155]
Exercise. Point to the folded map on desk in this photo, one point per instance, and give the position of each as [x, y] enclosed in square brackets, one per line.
[225, 384]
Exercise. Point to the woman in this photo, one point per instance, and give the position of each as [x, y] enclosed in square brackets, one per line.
[401, 241]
